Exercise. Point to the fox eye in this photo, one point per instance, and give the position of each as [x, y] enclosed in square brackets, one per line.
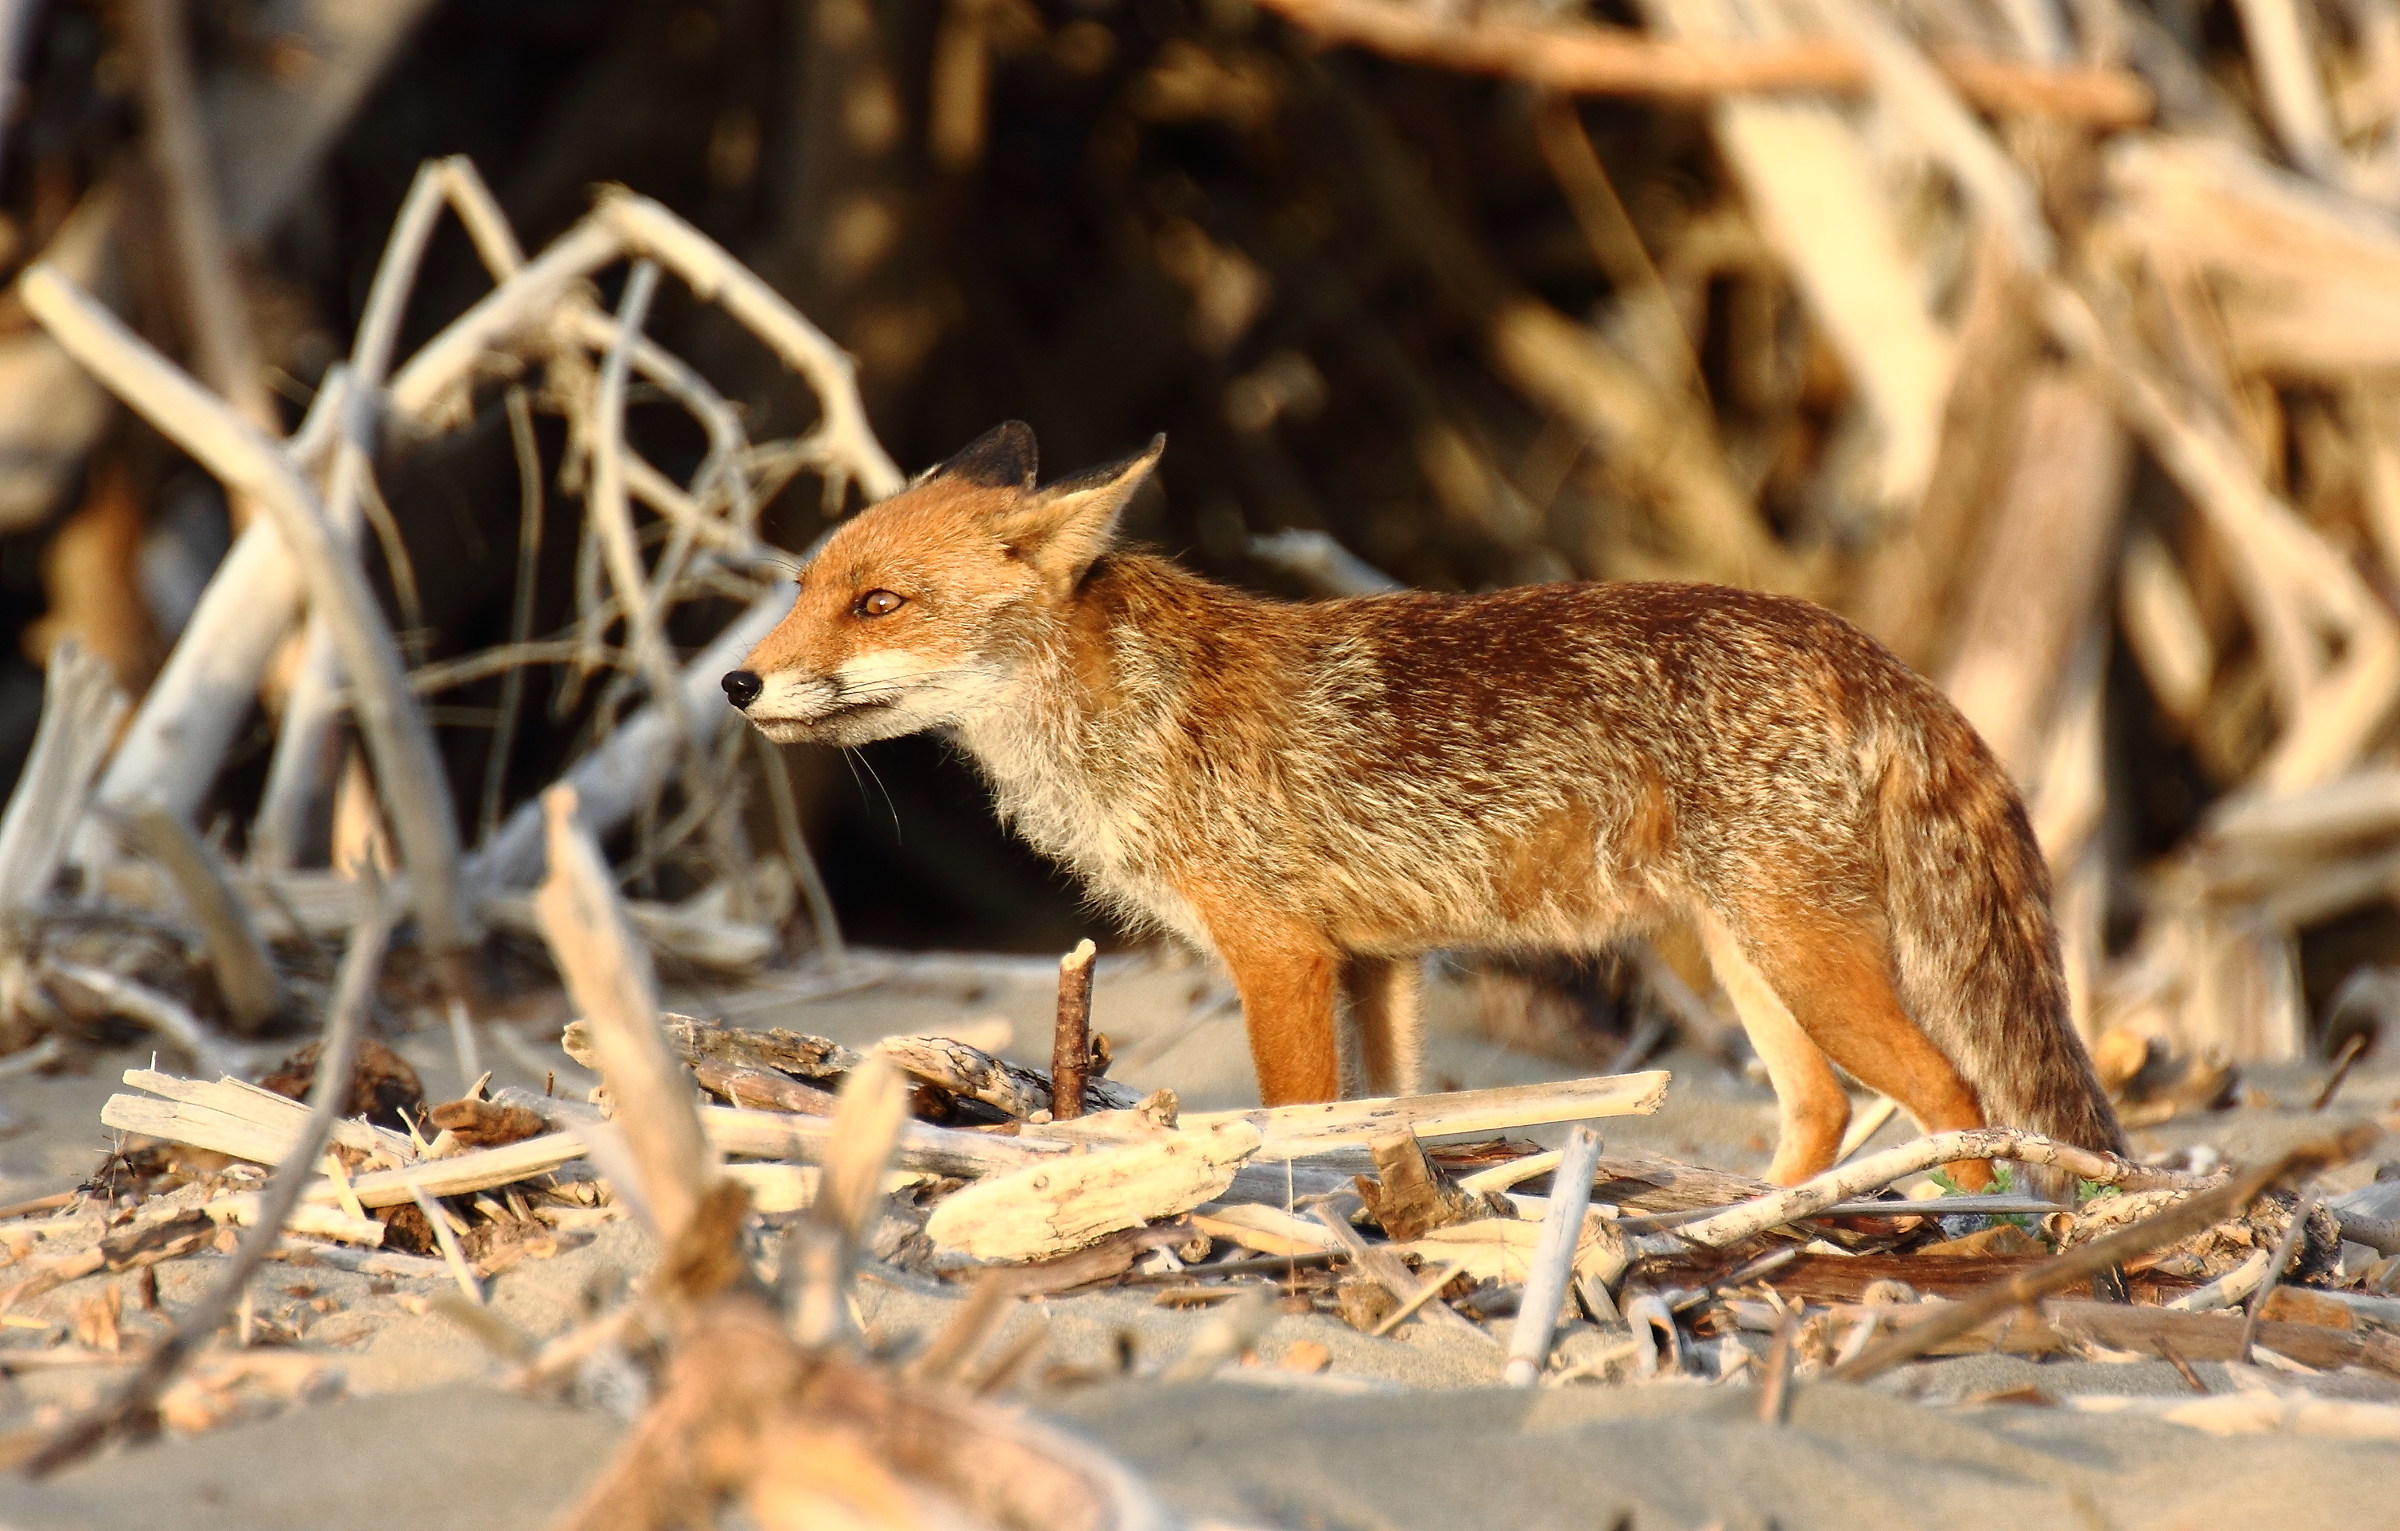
[879, 603]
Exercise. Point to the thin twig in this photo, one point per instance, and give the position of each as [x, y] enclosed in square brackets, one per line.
[224, 343]
[337, 1056]
[2353, 1048]
[786, 805]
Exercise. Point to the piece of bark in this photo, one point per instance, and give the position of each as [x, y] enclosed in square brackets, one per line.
[815, 1059]
[1065, 1203]
[761, 1089]
[1388, 1272]
[1410, 1196]
[486, 1124]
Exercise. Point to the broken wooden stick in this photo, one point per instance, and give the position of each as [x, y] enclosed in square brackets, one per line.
[820, 1259]
[1065, 1203]
[1071, 1045]
[1292, 1132]
[1553, 1259]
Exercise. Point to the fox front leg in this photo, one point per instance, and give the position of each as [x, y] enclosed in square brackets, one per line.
[1288, 977]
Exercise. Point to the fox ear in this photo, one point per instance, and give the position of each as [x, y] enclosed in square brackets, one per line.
[1001, 458]
[1061, 529]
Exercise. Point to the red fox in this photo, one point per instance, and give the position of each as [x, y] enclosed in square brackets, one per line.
[1320, 792]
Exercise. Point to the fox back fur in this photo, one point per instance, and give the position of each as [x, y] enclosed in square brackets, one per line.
[1320, 792]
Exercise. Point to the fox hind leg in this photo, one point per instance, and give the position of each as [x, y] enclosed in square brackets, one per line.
[1383, 1010]
[1837, 980]
[1812, 1107]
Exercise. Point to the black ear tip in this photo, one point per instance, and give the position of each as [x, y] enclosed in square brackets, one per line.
[1003, 457]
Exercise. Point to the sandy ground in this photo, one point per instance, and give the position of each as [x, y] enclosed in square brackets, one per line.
[1403, 1432]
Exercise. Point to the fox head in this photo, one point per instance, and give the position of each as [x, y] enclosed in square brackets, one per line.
[915, 614]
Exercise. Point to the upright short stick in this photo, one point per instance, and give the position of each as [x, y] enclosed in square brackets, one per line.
[1553, 1258]
[1071, 1046]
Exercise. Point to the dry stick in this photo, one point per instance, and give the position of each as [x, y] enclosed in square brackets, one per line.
[81, 706]
[2202, 1209]
[2292, 1233]
[608, 974]
[1553, 1258]
[408, 769]
[244, 969]
[520, 611]
[1614, 61]
[820, 1259]
[224, 344]
[842, 441]
[1840, 1184]
[2343, 1062]
[137, 1001]
[353, 993]
[612, 516]
[1775, 1394]
[1071, 1043]
[298, 772]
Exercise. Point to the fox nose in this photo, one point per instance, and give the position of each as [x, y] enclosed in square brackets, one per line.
[742, 687]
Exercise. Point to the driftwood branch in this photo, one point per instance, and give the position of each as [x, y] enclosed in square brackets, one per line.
[1608, 61]
[409, 773]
